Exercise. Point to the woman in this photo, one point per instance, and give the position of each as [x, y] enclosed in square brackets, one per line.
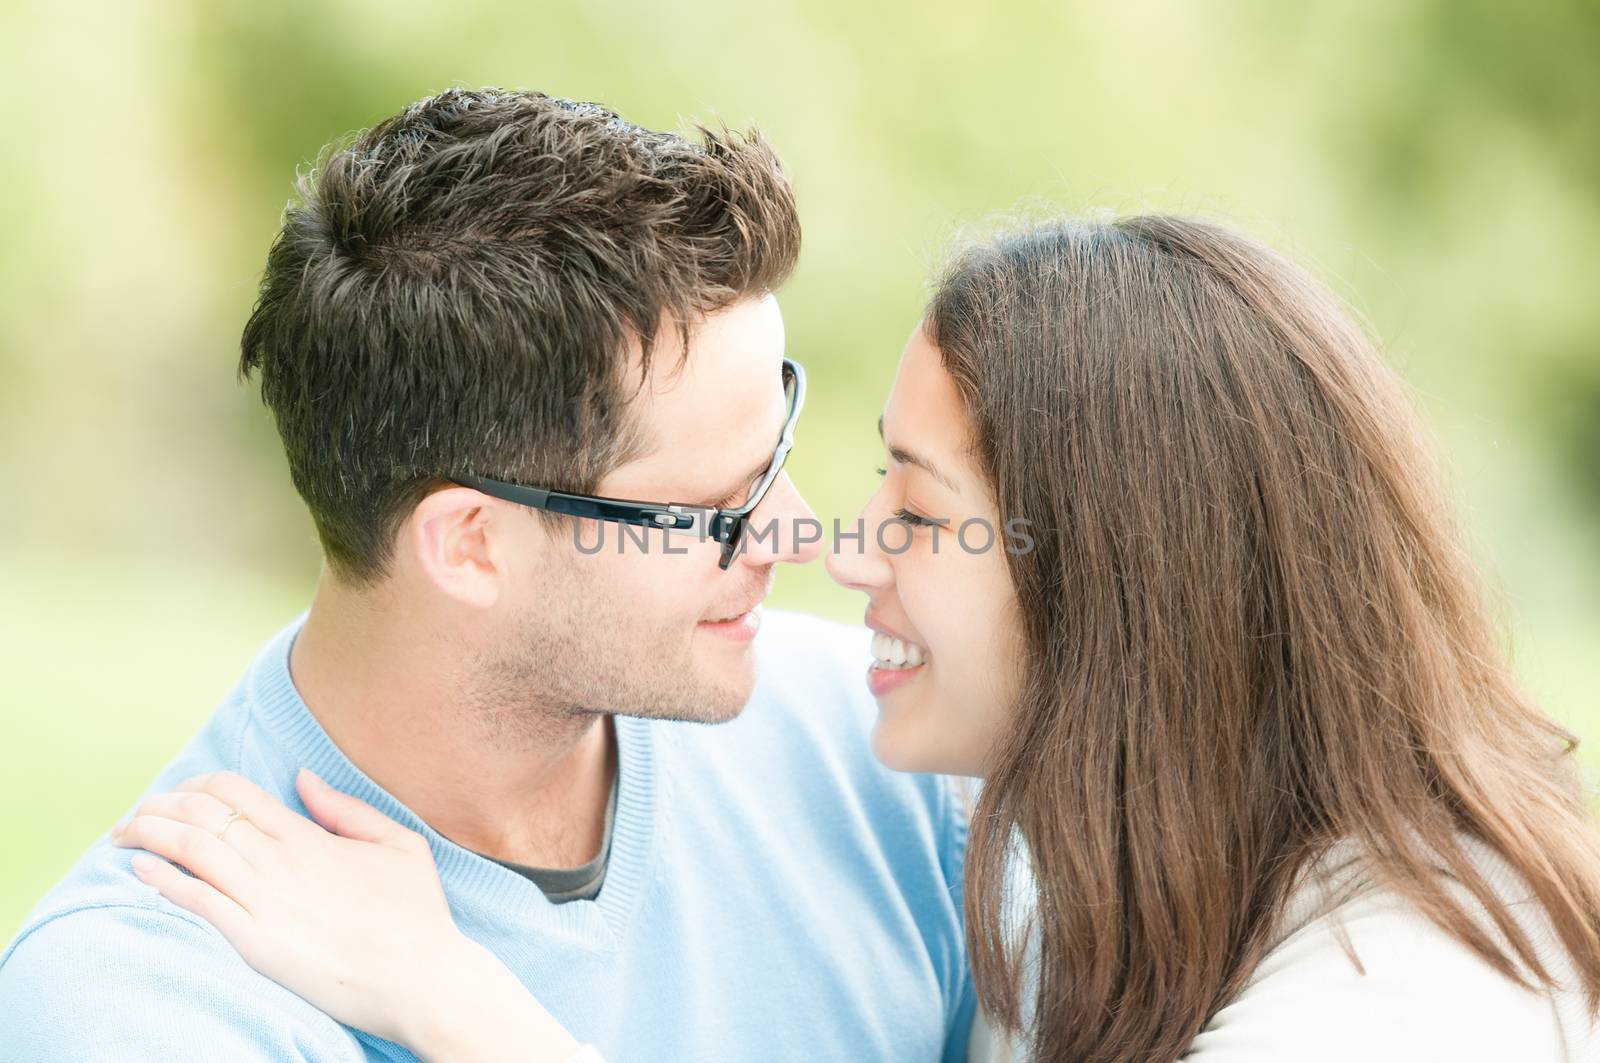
[1254, 763]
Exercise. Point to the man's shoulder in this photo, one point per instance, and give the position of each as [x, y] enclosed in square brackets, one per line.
[92, 922]
[182, 991]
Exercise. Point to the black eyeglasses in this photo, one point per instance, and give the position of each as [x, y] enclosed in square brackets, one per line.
[724, 525]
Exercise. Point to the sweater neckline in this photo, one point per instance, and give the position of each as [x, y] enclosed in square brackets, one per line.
[485, 897]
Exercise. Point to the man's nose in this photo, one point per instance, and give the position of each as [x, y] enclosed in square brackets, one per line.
[782, 528]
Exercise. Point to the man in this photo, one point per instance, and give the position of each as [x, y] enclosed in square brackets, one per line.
[490, 315]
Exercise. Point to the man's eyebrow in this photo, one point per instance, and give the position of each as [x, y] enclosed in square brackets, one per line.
[750, 478]
[900, 454]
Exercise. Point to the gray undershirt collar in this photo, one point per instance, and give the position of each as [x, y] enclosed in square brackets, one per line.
[563, 884]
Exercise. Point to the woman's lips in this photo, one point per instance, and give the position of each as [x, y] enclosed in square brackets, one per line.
[881, 681]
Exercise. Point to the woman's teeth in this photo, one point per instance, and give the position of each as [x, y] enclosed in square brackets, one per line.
[890, 652]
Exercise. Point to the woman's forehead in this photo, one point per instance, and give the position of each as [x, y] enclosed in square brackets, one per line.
[925, 413]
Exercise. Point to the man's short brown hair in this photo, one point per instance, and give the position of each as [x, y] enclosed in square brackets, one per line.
[457, 289]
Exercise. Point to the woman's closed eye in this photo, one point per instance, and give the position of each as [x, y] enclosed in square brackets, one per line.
[913, 518]
[918, 520]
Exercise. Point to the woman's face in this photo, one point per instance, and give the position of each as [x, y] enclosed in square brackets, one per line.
[947, 639]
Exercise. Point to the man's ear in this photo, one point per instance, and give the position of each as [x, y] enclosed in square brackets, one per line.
[461, 540]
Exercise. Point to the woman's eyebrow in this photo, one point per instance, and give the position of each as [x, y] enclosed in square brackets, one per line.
[901, 454]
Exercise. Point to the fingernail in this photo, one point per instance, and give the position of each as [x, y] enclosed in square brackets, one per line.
[143, 863]
[116, 832]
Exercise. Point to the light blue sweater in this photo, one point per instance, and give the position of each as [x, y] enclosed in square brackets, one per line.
[773, 894]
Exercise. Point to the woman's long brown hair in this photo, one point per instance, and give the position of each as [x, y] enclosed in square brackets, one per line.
[1251, 631]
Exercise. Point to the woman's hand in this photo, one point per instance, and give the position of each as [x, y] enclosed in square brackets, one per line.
[349, 914]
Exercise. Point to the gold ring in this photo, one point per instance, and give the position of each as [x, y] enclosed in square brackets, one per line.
[235, 814]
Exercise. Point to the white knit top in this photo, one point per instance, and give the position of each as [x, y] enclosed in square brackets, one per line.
[1424, 996]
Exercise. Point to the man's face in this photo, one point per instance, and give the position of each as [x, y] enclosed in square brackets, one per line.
[622, 619]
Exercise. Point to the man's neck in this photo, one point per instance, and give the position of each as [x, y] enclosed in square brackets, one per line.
[514, 781]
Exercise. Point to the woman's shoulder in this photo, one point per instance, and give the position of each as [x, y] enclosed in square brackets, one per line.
[1418, 992]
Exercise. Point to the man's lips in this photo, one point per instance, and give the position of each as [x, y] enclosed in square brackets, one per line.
[740, 628]
[726, 617]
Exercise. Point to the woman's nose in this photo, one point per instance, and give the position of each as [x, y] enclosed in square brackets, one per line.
[854, 560]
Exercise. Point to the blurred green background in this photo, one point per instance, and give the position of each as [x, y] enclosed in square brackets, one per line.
[1436, 160]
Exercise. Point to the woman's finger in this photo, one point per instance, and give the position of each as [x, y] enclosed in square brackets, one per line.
[195, 895]
[210, 815]
[203, 853]
[347, 816]
[234, 790]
